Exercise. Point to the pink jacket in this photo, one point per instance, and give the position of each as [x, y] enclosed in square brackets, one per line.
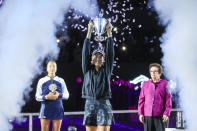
[155, 99]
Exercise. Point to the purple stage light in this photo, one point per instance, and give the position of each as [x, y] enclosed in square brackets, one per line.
[79, 80]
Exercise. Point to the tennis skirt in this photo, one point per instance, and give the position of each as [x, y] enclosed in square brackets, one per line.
[98, 112]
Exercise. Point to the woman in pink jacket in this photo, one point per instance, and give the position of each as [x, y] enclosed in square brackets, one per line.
[155, 103]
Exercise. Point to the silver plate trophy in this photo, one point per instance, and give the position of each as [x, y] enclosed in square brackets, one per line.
[52, 87]
[99, 27]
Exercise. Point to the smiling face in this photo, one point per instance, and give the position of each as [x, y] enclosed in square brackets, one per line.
[98, 59]
[51, 68]
[155, 73]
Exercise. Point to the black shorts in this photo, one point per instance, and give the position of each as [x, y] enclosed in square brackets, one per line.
[98, 112]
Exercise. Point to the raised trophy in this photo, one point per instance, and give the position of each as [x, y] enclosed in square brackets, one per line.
[99, 28]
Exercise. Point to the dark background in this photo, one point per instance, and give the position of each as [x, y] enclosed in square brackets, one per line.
[138, 30]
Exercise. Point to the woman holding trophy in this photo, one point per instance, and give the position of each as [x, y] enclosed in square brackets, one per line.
[97, 67]
[51, 89]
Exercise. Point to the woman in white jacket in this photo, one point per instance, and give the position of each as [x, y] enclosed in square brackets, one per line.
[51, 89]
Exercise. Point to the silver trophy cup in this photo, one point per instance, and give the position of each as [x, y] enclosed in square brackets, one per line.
[100, 28]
